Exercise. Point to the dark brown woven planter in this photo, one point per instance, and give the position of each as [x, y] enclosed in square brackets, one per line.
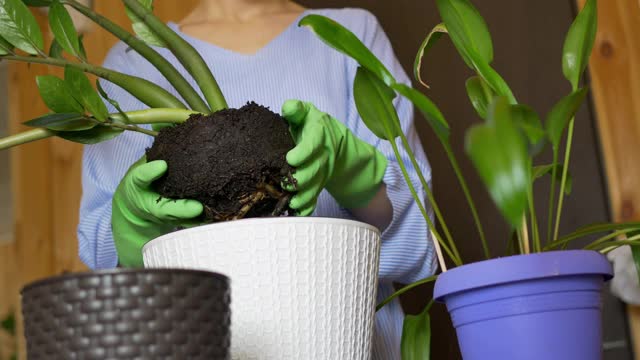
[128, 314]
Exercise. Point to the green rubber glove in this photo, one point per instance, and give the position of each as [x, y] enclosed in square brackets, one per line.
[328, 155]
[139, 214]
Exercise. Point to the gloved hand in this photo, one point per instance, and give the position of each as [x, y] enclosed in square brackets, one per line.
[139, 214]
[328, 154]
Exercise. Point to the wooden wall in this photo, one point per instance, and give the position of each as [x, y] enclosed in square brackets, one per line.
[46, 175]
[615, 79]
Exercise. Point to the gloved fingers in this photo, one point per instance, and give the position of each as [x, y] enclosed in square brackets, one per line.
[308, 195]
[307, 210]
[170, 210]
[310, 171]
[310, 143]
[190, 223]
[295, 112]
[143, 175]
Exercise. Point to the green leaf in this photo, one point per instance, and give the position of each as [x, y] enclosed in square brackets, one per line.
[541, 170]
[111, 101]
[92, 136]
[416, 336]
[635, 254]
[82, 90]
[37, 3]
[343, 40]
[55, 50]
[491, 77]
[63, 28]
[374, 101]
[471, 37]
[479, 94]
[5, 46]
[513, 245]
[498, 151]
[83, 52]
[8, 324]
[19, 27]
[561, 113]
[428, 109]
[467, 28]
[579, 43]
[404, 289]
[590, 230]
[433, 37]
[56, 95]
[141, 29]
[63, 122]
[528, 121]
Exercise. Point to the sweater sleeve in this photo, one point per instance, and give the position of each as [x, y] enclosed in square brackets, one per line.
[103, 166]
[407, 253]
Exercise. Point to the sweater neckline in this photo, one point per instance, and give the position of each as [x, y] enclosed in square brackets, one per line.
[261, 51]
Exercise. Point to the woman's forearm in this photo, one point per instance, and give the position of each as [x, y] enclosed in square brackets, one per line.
[379, 211]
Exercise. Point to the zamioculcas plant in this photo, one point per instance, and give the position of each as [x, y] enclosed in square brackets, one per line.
[503, 148]
[79, 113]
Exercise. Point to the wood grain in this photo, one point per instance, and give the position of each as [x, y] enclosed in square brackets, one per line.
[46, 175]
[615, 78]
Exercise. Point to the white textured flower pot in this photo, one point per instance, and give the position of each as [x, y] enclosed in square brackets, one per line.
[301, 288]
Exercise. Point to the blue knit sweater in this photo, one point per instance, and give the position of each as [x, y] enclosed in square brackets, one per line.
[294, 65]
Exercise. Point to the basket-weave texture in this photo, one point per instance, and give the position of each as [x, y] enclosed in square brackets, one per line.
[128, 314]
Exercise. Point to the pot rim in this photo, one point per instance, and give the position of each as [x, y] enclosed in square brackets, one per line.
[117, 271]
[517, 268]
[260, 222]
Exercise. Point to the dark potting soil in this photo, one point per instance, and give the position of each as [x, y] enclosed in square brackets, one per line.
[232, 161]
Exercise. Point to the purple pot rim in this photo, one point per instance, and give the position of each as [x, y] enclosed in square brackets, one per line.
[118, 271]
[521, 268]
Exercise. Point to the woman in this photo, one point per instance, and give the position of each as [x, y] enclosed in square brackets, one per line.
[257, 52]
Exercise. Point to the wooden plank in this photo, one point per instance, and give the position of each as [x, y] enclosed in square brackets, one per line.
[46, 174]
[31, 169]
[615, 78]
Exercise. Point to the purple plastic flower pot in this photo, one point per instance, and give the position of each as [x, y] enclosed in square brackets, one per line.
[528, 307]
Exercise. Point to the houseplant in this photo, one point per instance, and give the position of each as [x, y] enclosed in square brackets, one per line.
[80, 115]
[281, 245]
[499, 306]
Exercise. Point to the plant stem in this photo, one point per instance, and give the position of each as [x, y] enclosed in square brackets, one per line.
[25, 137]
[486, 89]
[428, 191]
[520, 243]
[404, 290]
[565, 169]
[635, 240]
[436, 244]
[525, 235]
[147, 92]
[467, 194]
[593, 229]
[148, 116]
[534, 219]
[185, 53]
[135, 128]
[418, 201]
[552, 194]
[605, 238]
[164, 67]
[155, 116]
